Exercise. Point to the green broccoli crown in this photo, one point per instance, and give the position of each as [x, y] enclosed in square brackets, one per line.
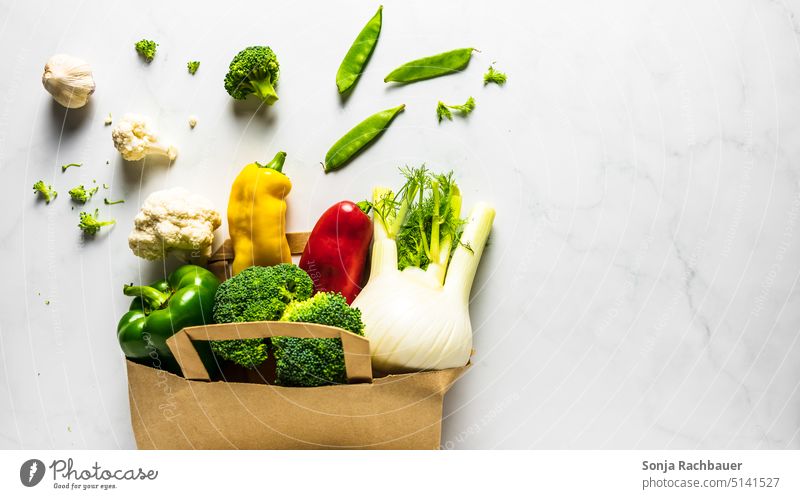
[246, 353]
[315, 361]
[256, 294]
[329, 309]
[192, 66]
[261, 293]
[146, 49]
[254, 70]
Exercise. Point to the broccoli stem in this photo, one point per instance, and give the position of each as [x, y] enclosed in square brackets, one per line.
[64, 167]
[263, 88]
[151, 296]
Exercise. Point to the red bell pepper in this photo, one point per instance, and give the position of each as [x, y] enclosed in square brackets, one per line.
[336, 252]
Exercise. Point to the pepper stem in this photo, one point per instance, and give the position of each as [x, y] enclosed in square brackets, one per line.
[365, 206]
[276, 163]
[153, 297]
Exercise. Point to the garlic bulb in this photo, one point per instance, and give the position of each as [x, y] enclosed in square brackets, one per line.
[69, 80]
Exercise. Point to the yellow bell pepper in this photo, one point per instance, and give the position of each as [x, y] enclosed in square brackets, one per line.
[257, 215]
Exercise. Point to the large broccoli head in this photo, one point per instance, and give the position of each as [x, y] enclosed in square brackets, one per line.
[254, 70]
[315, 361]
[256, 294]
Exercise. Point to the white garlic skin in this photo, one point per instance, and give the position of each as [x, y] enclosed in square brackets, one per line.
[69, 80]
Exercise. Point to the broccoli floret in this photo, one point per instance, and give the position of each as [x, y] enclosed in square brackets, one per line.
[146, 49]
[89, 223]
[254, 70]
[315, 361]
[46, 191]
[192, 66]
[256, 294]
[81, 195]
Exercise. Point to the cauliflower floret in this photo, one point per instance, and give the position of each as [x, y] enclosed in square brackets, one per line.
[134, 139]
[174, 220]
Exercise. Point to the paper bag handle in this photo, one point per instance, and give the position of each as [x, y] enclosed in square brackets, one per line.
[357, 363]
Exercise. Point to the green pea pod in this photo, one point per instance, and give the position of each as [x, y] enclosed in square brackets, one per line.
[431, 67]
[362, 134]
[356, 58]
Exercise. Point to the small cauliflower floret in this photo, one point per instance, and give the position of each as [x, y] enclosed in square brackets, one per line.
[134, 139]
[174, 220]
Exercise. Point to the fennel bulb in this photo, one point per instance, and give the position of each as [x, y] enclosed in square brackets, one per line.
[417, 318]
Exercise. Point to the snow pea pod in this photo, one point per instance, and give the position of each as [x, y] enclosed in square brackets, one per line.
[356, 58]
[431, 67]
[356, 139]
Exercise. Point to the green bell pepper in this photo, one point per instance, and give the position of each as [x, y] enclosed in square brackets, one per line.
[165, 307]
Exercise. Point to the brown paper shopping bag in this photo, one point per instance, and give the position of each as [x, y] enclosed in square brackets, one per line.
[173, 412]
[191, 412]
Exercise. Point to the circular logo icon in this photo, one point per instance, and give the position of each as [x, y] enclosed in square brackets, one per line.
[31, 472]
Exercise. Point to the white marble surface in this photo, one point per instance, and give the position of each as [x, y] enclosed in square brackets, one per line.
[640, 287]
